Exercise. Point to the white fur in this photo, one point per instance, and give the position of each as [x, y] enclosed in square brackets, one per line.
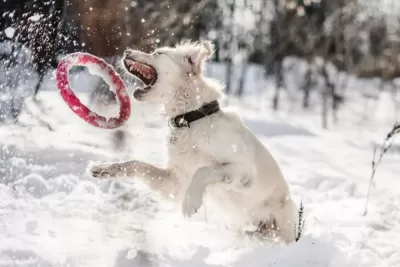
[217, 155]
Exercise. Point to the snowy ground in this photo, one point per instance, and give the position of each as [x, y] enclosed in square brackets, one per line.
[53, 214]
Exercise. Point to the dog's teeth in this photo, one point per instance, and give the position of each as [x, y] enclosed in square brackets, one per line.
[142, 71]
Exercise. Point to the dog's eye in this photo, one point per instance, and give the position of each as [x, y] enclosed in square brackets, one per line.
[189, 59]
[157, 53]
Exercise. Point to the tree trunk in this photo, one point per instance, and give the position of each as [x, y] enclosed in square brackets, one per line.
[278, 84]
[307, 89]
[229, 65]
[242, 80]
[336, 100]
[328, 91]
[228, 78]
[325, 96]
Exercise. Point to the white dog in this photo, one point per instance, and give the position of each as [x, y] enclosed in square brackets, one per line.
[210, 151]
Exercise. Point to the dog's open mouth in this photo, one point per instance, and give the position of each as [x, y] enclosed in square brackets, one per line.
[144, 72]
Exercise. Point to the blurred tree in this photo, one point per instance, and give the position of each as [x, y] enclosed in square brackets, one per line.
[35, 25]
[311, 30]
[340, 35]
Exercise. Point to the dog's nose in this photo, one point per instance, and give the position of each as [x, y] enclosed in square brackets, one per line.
[128, 54]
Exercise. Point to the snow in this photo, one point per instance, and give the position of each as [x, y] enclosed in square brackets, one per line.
[53, 214]
[9, 31]
[35, 17]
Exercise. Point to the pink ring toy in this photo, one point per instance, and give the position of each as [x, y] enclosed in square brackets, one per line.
[98, 67]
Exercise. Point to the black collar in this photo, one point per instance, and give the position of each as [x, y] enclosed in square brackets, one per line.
[185, 119]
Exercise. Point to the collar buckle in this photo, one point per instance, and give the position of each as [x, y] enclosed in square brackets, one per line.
[185, 119]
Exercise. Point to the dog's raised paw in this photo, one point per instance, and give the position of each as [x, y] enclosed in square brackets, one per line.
[192, 201]
[97, 171]
[104, 170]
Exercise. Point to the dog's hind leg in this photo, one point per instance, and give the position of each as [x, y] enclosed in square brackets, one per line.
[157, 178]
[279, 220]
[287, 219]
[235, 175]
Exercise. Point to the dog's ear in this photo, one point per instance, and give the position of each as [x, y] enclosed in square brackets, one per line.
[208, 46]
[199, 54]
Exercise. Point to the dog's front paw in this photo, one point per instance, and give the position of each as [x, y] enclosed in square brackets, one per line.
[105, 170]
[192, 201]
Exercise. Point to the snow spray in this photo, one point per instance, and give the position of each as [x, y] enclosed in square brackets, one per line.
[100, 68]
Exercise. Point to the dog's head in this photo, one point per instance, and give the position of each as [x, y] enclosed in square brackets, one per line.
[167, 69]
